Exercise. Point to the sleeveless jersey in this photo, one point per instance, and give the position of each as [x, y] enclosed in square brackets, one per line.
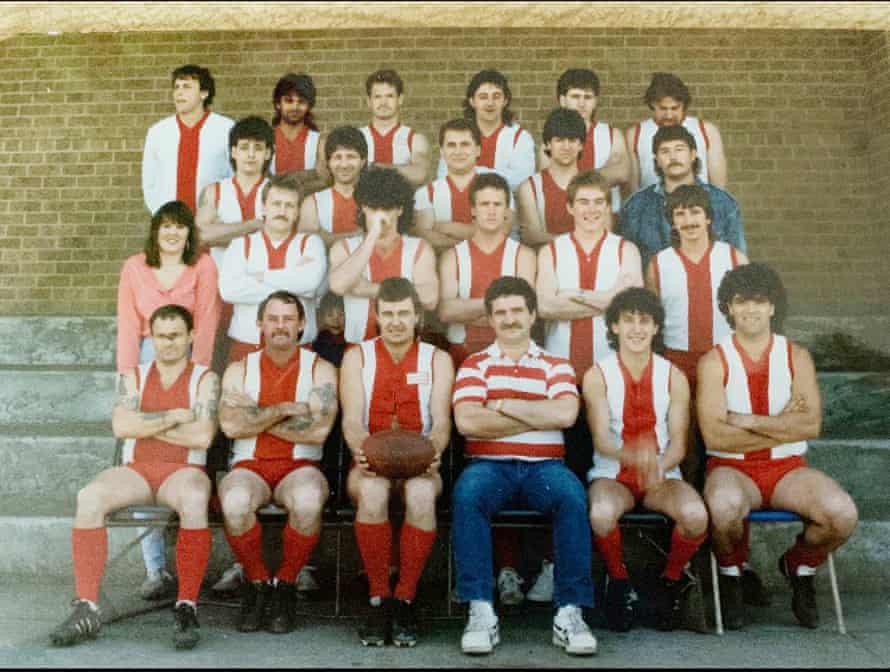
[583, 341]
[475, 272]
[267, 384]
[642, 147]
[296, 154]
[233, 205]
[393, 148]
[397, 394]
[550, 200]
[637, 409]
[153, 398]
[688, 291]
[761, 388]
[597, 150]
[361, 324]
[336, 212]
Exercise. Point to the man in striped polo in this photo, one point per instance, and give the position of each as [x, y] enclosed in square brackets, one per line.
[512, 401]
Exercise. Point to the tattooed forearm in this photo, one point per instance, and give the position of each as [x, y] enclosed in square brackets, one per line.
[209, 409]
[297, 423]
[125, 400]
[327, 395]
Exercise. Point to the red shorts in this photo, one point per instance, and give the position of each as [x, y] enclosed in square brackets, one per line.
[628, 478]
[274, 471]
[158, 472]
[765, 473]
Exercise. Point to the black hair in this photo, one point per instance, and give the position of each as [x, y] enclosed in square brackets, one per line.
[508, 285]
[171, 311]
[489, 77]
[252, 128]
[178, 213]
[301, 85]
[385, 188]
[577, 78]
[348, 137]
[564, 123]
[285, 297]
[665, 84]
[668, 134]
[205, 79]
[754, 281]
[460, 124]
[488, 180]
[635, 300]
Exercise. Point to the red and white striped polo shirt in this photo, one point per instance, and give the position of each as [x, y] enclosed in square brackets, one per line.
[154, 398]
[393, 148]
[550, 200]
[336, 213]
[759, 388]
[538, 375]
[397, 394]
[268, 384]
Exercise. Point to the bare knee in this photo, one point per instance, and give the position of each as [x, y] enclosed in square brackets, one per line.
[194, 500]
[604, 516]
[305, 502]
[91, 504]
[236, 508]
[726, 506]
[692, 518]
[373, 499]
[420, 497]
[840, 514]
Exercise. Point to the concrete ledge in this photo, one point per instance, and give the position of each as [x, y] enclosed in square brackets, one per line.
[42, 396]
[57, 340]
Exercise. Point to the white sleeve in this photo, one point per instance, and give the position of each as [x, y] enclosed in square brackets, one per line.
[150, 172]
[442, 171]
[522, 162]
[303, 280]
[422, 199]
[236, 285]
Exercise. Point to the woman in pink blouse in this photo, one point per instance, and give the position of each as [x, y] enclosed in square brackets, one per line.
[171, 269]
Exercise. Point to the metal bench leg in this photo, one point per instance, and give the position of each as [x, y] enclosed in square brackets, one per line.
[835, 594]
[337, 573]
[448, 583]
[718, 614]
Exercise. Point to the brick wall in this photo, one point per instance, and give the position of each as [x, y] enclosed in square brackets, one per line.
[794, 107]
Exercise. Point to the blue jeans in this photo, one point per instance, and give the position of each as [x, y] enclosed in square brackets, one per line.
[488, 486]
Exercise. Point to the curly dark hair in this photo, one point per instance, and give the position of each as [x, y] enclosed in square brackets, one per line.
[635, 300]
[754, 281]
[385, 188]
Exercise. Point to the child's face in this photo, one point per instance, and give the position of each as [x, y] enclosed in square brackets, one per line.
[333, 320]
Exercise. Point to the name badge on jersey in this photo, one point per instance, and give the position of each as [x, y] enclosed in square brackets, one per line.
[418, 378]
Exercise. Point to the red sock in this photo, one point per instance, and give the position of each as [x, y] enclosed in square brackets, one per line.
[192, 554]
[506, 541]
[803, 553]
[416, 545]
[248, 549]
[682, 549]
[375, 546]
[295, 550]
[738, 555]
[89, 551]
[612, 550]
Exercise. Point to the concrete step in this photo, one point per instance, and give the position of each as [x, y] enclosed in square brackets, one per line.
[70, 340]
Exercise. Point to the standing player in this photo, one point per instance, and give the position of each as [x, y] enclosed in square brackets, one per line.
[511, 401]
[186, 151]
[758, 403]
[638, 410]
[360, 264]
[274, 258]
[233, 207]
[298, 143]
[279, 405]
[166, 412]
[467, 269]
[604, 148]
[506, 147]
[332, 212]
[543, 214]
[395, 381]
[390, 143]
[442, 208]
[669, 99]
[644, 219]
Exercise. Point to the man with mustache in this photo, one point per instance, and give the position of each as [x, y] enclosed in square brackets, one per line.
[389, 142]
[643, 217]
[279, 405]
[298, 142]
[274, 258]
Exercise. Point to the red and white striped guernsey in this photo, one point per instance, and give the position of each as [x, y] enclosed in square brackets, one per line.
[336, 213]
[361, 324]
[688, 290]
[645, 131]
[154, 398]
[397, 394]
[759, 388]
[449, 203]
[636, 409]
[476, 270]
[497, 148]
[550, 200]
[234, 205]
[596, 152]
[392, 148]
[267, 384]
[583, 341]
[296, 154]
[538, 375]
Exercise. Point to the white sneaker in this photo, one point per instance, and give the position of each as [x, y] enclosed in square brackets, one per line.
[230, 581]
[481, 632]
[306, 580]
[158, 585]
[572, 633]
[509, 590]
[542, 588]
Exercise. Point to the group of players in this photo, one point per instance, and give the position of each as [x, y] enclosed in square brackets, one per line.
[412, 260]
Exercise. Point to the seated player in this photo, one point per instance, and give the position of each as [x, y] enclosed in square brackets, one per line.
[638, 409]
[332, 212]
[279, 405]
[758, 403]
[511, 401]
[543, 214]
[395, 381]
[360, 263]
[166, 411]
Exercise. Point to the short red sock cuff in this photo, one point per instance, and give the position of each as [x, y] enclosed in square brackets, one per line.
[375, 546]
[248, 550]
[739, 554]
[803, 553]
[611, 548]
[192, 553]
[89, 551]
[295, 551]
